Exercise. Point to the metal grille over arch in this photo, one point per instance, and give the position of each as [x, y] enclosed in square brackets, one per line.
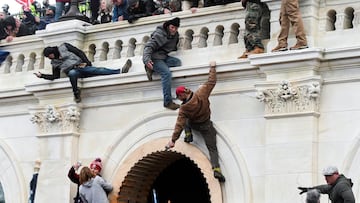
[139, 180]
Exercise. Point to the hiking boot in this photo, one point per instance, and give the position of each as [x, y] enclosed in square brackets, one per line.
[279, 48]
[149, 73]
[172, 106]
[77, 96]
[218, 175]
[188, 137]
[126, 66]
[244, 55]
[257, 50]
[298, 47]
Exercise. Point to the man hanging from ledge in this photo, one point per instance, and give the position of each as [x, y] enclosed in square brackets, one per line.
[74, 63]
[195, 112]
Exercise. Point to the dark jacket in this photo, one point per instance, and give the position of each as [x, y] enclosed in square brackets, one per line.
[71, 57]
[121, 10]
[160, 44]
[74, 177]
[145, 8]
[197, 108]
[340, 192]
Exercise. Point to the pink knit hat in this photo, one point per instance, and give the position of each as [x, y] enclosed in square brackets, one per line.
[96, 164]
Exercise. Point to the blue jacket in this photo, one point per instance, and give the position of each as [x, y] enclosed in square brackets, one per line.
[120, 10]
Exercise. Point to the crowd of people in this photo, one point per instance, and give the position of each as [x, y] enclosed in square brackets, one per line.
[36, 16]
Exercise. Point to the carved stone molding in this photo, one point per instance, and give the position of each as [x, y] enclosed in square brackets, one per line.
[57, 121]
[287, 99]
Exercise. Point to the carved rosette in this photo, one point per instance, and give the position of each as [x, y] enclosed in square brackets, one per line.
[288, 99]
[57, 121]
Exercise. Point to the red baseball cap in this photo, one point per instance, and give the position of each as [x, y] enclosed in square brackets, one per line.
[180, 90]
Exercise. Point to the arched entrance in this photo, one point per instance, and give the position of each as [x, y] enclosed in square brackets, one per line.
[162, 176]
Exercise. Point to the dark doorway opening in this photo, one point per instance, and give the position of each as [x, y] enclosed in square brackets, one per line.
[181, 182]
[168, 175]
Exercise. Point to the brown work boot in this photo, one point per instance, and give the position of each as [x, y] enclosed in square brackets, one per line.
[257, 50]
[126, 66]
[244, 55]
[298, 47]
[172, 106]
[279, 48]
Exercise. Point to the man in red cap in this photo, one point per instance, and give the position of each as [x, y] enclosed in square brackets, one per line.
[155, 57]
[195, 111]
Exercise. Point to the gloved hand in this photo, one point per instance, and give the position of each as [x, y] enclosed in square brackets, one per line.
[303, 189]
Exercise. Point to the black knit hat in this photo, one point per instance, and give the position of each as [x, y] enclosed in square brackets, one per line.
[175, 22]
[51, 50]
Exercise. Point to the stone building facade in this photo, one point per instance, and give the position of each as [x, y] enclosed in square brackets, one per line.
[280, 117]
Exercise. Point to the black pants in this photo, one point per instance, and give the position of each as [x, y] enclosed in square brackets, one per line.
[208, 132]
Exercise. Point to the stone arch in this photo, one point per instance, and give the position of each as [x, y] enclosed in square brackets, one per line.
[351, 164]
[11, 177]
[144, 173]
[150, 134]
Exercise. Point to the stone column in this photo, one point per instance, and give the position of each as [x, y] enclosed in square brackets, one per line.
[58, 134]
[291, 95]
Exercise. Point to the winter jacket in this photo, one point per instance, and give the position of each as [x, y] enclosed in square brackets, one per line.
[145, 8]
[120, 10]
[94, 190]
[160, 44]
[340, 191]
[74, 177]
[70, 57]
[197, 108]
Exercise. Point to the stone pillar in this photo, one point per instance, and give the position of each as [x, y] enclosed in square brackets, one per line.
[58, 128]
[291, 95]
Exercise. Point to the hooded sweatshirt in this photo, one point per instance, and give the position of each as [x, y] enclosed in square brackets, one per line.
[95, 190]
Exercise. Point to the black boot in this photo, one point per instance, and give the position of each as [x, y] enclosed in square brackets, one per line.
[126, 66]
[77, 96]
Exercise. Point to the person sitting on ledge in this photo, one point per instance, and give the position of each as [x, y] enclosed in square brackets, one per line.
[74, 63]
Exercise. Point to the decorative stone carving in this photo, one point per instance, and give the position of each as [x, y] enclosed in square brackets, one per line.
[289, 99]
[57, 121]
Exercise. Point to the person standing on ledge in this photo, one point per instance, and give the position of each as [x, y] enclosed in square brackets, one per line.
[195, 112]
[255, 12]
[74, 63]
[290, 13]
[155, 57]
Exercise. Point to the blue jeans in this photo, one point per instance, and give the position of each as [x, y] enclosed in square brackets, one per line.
[88, 71]
[59, 8]
[162, 67]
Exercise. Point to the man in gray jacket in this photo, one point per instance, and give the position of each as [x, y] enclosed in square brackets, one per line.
[155, 57]
[74, 63]
[338, 187]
